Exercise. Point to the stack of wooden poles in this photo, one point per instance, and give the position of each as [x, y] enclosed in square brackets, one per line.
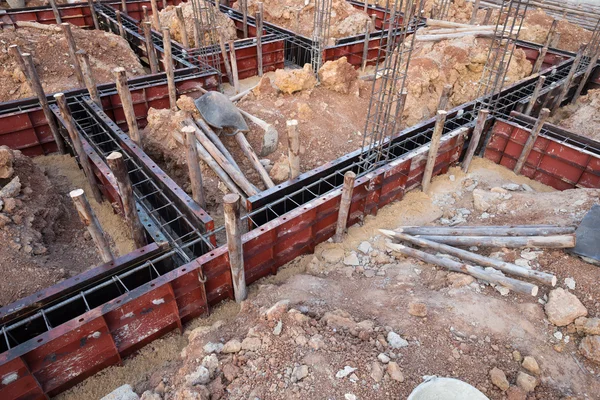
[443, 239]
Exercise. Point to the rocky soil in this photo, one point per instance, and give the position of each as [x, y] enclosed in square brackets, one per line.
[48, 46]
[356, 321]
[582, 117]
[42, 240]
[298, 16]
[168, 18]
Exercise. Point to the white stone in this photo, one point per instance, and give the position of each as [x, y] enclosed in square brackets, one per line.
[521, 262]
[558, 335]
[199, 377]
[511, 186]
[504, 291]
[365, 247]
[351, 259]
[349, 396]
[396, 341]
[570, 283]
[211, 347]
[342, 373]
[124, 392]
[383, 358]
[527, 188]
[277, 329]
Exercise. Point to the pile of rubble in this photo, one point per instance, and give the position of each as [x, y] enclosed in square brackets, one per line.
[581, 117]
[226, 26]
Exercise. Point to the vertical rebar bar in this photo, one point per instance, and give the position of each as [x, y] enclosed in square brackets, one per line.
[320, 37]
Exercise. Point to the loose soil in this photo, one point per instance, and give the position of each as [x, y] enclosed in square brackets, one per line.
[582, 117]
[469, 327]
[48, 46]
[42, 240]
[298, 16]
[168, 17]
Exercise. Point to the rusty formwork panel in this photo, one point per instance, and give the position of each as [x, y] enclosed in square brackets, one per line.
[552, 161]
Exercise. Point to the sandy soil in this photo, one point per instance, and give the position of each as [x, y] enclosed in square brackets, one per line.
[582, 117]
[49, 49]
[298, 16]
[168, 17]
[42, 240]
[468, 329]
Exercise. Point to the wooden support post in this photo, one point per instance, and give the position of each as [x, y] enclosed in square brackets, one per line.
[184, 36]
[293, 148]
[586, 76]
[145, 14]
[55, 11]
[34, 83]
[124, 7]
[433, 148]
[196, 30]
[365, 55]
[259, 28]
[66, 28]
[168, 65]
[477, 272]
[117, 165]
[244, 4]
[84, 161]
[193, 166]
[88, 77]
[536, 93]
[120, 24]
[477, 131]
[225, 56]
[551, 242]
[537, 67]
[474, 14]
[531, 139]
[150, 49]
[94, 15]
[253, 158]
[444, 97]
[234, 68]
[488, 16]
[345, 203]
[155, 19]
[374, 20]
[127, 104]
[15, 52]
[567, 84]
[214, 138]
[233, 229]
[87, 216]
[542, 277]
[494, 230]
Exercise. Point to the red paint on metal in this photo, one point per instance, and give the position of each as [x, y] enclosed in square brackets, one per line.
[18, 383]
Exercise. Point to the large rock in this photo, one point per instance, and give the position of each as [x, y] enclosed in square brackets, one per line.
[6, 162]
[199, 377]
[295, 80]
[590, 347]
[393, 370]
[587, 326]
[338, 75]
[531, 365]
[396, 341]
[264, 88]
[563, 307]
[277, 311]
[498, 378]
[124, 392]
[526, 382]
[281, 170]
[338, 319]
[233, 346]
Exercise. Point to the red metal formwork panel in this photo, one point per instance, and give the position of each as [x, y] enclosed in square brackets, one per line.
[68, 355]
[77, 14]
[326, 215]
[354, 52]
[18, 383]
[190, 292]
[27, 131]
[143, 318]
[135, 11]
[217, 272]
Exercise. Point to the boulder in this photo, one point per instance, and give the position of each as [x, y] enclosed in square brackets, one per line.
[396, 341]
[531, 365]
[393, 370]
[233, 346]
[295, 80]
[124, 392]
[338, 75]
[264, 88]
[498, 378]
[590, 348]
[587, 326]
[526, 382]
[563, 307]
[281, 170]
[6, 162]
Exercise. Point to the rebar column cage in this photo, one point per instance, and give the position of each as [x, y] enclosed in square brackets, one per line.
[322, 18]
[440, 9]
[205, 30]
[386, 104]
[506, 33]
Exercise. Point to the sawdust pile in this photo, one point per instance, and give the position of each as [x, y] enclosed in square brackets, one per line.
[582, 117]
[168, 17]
[458, 62]
[48, 46]
[298, 16]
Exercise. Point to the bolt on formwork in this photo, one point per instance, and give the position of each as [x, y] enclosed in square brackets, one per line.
[506, 32]
[388, 94]
[320, 37]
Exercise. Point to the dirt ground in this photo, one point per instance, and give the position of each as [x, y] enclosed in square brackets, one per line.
[48, 46]
[340, 316]
[298, 16]
[581, 117]
[168, 17]
[42, 240]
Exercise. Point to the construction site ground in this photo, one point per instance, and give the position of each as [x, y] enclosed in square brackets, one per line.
[339, 315]
[48, 46]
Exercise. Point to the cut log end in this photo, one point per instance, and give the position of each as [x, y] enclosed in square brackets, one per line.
[76, 193]
[387, 232]
[114, 155]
